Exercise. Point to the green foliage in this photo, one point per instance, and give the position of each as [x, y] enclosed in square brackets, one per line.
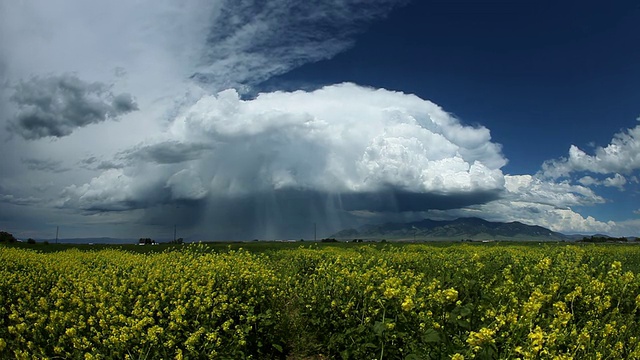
[6, 237]
[379, 301]
[602, 239]
[146, 241]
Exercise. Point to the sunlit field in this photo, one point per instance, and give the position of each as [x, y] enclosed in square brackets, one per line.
[318, 301]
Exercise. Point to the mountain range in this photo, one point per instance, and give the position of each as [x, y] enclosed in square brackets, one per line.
[459, 229]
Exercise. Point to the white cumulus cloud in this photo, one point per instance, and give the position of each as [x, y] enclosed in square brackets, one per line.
[314, 141]
[566, 221]
[621, 156]
[528, 188]
[538, 201]
[617, 181]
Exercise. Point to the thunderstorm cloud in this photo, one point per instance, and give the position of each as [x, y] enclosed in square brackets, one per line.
[157, 104]
[55, 106]
[269, 159]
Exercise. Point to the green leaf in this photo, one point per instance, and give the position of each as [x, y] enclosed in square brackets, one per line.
[379, 328]
[277, 347]
[345, 354]
[465, 311]
[464, 324]
[431, 336]
[413, 357]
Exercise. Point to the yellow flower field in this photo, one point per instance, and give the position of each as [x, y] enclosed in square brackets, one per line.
[366, 302]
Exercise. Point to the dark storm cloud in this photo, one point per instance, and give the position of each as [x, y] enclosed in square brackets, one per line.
[187, 214]
[48, 165]
[397, 200]
[88, 161]
[106, 165]
[94, 163]
[293, 213]
[169, 152]
[115, 206]
[123, 104]
[156, 202]
[55, 106]
[22, 201]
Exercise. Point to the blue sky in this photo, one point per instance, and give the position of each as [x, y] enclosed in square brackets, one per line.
[541, 75]
[240, 119]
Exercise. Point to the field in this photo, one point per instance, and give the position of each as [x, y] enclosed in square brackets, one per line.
[293, 301]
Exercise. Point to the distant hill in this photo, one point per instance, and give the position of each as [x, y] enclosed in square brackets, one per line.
[459, 229]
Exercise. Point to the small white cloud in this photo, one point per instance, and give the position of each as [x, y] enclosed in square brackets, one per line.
[621, 156]
[531, 189]
[628, 228]
[588, 181]
[617, 181]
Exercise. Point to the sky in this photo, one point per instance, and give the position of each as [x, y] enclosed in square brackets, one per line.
[244, 119]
